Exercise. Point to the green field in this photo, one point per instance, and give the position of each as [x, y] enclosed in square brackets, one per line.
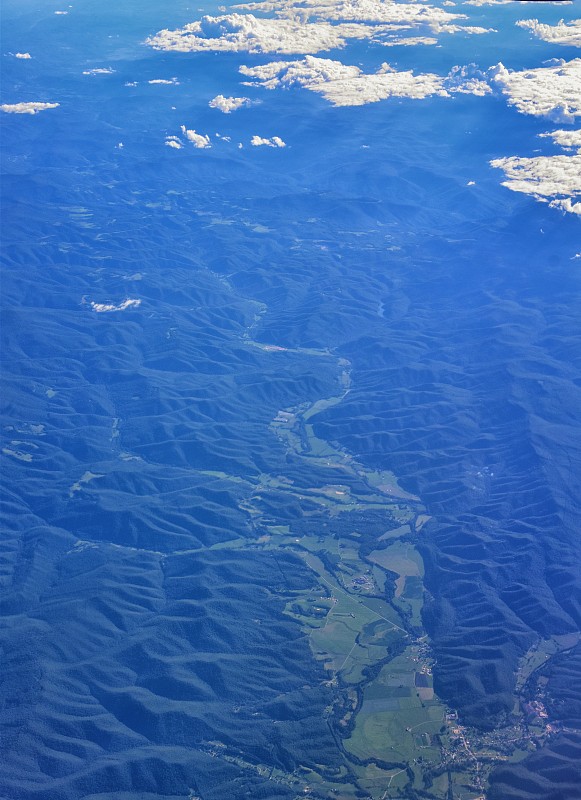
[362, 617]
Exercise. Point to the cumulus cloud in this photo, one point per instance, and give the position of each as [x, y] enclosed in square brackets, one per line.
[199, 140]
[520, 2]
[275, 141]
[202, 141]
[487, 2]
[568, 140]
[99, 71]
[467, 80]
[402, 15]
[347, 85]
[228, 104]
[26, 108]
[562, 33]
[245, 32]
[567, 205]
[410, 41]
[553, 179]
[101, 308]
[312, 26]
[342, 84]
[553, 91]
[165, 81]
[22, 55]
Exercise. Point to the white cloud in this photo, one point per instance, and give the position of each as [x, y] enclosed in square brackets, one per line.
[26, 108]
[310, 72]
[410, 41]
[553, 92]
[467, 80]
[312, 26]
[245, 32]
[165, 81]
[199, 140]
[565, 139]
[101, 308]
[346, 85]
[228, 104]
[61, 13]
[568, 33]
[552, 179]
[99, 71]
[386, 12]
[275, 141]
[567, 205]
[520, 2]
[22, 55]
[342, 84]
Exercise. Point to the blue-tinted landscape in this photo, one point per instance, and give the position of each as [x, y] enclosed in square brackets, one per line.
[291, 393]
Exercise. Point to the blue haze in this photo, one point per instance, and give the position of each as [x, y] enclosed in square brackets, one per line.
[457, 306]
